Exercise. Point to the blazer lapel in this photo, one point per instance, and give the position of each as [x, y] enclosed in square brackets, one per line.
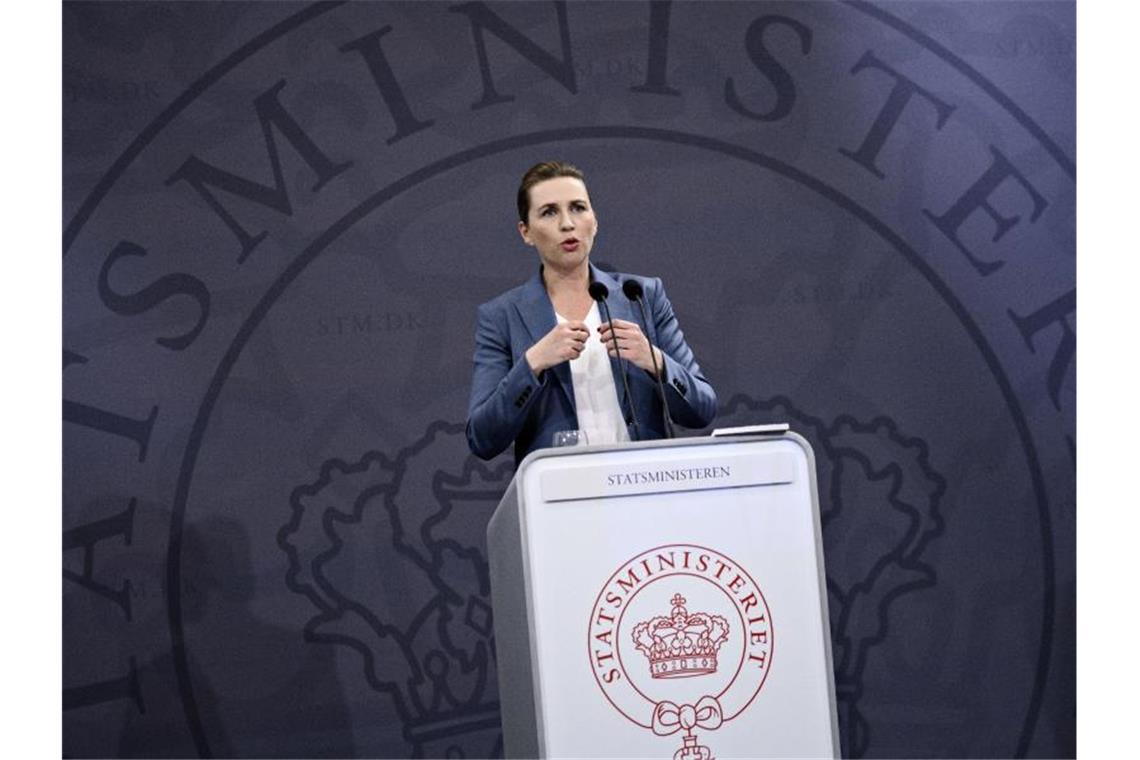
[537, 314]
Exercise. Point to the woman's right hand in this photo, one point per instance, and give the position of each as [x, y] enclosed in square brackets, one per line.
[566, 341]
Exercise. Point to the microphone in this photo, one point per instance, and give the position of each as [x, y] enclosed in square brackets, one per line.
[633, 291]
[600, 293]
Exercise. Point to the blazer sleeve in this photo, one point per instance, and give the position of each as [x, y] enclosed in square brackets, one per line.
[691, 398]
[502, 390]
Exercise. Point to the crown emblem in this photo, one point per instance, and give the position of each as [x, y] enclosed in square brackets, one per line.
[681, 645]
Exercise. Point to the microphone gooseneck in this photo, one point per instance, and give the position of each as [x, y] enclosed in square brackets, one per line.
[600, 293]
[634, 292]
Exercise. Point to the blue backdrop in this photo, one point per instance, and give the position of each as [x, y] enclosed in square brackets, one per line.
[279, 219]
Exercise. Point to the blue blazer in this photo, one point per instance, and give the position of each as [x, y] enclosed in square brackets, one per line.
[510, 405]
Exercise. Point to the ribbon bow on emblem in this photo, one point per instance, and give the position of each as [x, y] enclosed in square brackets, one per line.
[668, 718]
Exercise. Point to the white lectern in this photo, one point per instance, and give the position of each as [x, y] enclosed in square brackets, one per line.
[664, 599]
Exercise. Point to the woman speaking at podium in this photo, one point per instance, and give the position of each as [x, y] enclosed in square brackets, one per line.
[545, 353]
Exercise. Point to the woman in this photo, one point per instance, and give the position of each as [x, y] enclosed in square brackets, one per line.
[544, 360]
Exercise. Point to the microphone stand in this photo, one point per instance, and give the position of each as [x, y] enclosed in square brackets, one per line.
[633, 292]
[599, 293]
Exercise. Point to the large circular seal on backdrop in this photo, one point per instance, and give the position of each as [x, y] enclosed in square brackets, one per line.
[287, 396]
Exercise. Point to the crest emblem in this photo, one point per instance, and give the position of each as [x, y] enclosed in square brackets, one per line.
[681, 645]
[426, 641]
[680, 641]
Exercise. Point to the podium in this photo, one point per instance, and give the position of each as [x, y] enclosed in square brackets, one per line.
[664, 598]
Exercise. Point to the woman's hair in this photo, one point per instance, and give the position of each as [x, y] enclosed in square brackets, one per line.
[540, 173]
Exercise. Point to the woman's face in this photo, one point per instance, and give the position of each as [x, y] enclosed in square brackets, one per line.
[561, 223]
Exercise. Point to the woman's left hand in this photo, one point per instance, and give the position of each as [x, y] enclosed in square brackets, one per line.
[634, 345]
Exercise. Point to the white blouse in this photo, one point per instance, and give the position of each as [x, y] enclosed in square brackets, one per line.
[595, 392]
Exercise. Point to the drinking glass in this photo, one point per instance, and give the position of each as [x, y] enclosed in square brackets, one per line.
[570, 438]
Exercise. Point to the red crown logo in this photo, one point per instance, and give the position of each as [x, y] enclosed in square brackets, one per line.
[681, 645]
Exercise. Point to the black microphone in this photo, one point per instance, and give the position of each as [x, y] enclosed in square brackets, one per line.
[633, 291]
[600, 293]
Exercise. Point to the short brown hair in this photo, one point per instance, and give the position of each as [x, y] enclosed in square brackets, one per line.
[540, 173]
